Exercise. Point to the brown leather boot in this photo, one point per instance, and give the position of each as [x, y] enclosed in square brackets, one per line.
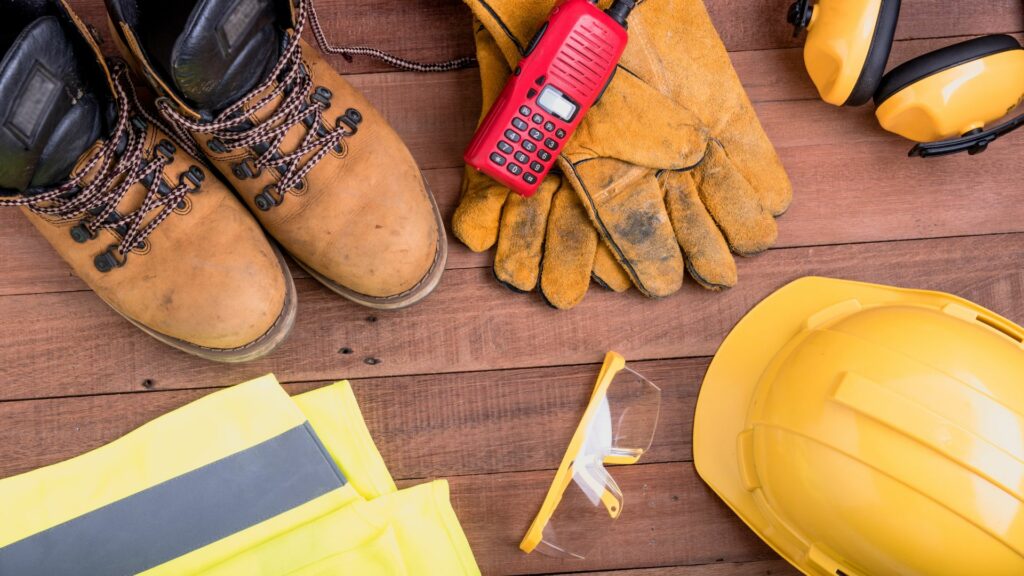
[139, 220]
[320, 168]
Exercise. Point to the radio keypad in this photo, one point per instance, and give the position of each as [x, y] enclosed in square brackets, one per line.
[525, 151]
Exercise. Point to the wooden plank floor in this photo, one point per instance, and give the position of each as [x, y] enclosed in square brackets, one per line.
[484, 387]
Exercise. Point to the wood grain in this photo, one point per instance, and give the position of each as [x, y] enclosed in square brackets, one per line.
[669, 518]
[70, 344]
[762, 568]
[426, 426]
[432, 31]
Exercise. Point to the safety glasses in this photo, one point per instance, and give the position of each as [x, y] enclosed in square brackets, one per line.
[617, 429]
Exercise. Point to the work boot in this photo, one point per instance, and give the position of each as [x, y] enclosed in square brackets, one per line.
[320, 168]
[159, 239]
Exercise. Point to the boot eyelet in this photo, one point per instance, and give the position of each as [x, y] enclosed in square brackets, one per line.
[265, 200]
[322, 96]
[81, 234]
[195, 175]
[351, 119]
[246, 169]
[167, 149]
[139, 123]
[107, 261]
[217, 145]
[184, 206]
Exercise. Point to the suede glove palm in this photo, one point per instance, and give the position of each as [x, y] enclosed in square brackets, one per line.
[673, 160]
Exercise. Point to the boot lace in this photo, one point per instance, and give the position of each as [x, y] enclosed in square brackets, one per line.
[111, 171]
[300, 102]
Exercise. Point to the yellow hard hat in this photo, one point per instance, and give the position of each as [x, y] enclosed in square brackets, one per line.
[864, 430]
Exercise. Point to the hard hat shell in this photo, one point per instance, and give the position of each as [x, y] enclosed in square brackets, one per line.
[864, 430]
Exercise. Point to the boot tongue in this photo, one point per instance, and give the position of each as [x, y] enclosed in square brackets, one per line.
[226, 49]
[48, 119]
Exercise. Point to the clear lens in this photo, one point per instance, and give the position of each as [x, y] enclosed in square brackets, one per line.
[634, 404]
[589, 502]
[620, 431]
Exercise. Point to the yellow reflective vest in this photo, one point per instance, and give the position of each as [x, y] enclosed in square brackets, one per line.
[246, 481]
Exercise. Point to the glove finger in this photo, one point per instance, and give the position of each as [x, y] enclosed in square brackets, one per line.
[755, 158]
[521, 241]
[694, 68]
[639, 125]
[479, 212]
[478, 215]
[707, 254]
[608, 272]
[747, 224]
[626, 205]
[568, 252]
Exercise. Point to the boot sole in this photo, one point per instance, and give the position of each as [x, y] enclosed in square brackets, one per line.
[415, 294]
[256, 349]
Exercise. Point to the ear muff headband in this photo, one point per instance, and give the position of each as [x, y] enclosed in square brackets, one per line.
[934, 62]
[954, 93]
[878, 54]
[847, 46]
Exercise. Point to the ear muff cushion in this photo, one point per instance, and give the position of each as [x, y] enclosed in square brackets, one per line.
[878, 54]
[934, 62]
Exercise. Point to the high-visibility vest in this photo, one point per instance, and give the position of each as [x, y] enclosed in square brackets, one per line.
[245, 481]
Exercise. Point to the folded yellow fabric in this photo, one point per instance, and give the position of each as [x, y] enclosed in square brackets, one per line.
[414, 531]
[334, 414]
[216, 481]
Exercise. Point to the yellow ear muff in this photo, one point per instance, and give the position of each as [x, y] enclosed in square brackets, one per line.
[847, 46]
[953, 91]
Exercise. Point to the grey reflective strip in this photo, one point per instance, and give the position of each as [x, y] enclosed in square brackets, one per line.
[184, 514]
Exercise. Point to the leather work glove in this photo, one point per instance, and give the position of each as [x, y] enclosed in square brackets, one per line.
[673, 160]
[546, 239]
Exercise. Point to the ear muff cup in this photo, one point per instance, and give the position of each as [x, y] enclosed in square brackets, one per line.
[878, 54]
[934, 62]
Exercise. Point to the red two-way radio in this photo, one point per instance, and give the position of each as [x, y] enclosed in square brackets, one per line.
[564, 71]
